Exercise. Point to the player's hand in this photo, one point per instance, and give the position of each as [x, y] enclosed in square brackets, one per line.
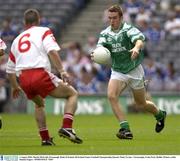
[1, 52]
[92, 56]
[134, 53]
[16, 92]
[65, 77]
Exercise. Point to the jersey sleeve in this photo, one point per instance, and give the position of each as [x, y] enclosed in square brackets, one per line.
[134, 34]
[11, 64]
[49, 41]
[2, 45]
[101, 40]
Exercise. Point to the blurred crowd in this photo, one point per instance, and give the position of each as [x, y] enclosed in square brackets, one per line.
[159, 20]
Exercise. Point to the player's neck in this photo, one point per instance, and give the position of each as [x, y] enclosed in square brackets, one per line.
[118, 29]
[29, 26]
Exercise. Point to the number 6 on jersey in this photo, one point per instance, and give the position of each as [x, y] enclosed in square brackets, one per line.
[24, 44]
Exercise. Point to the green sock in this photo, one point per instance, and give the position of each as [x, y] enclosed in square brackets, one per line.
[159, 115]
[124, 124]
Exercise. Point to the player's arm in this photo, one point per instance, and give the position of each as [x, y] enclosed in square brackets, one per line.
[101, 42]
[11, 73]
[135, 51]
[16, 89]
[137, 38]
[56, 61]
[2, 47]
[52, 48]
[2, 52]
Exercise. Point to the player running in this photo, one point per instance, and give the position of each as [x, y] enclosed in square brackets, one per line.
[29, 60]
[125, 43]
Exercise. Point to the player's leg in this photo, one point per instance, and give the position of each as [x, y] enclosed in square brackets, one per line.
[115, 88]
[71, 96]
[69, 93]
[140, 99]
[37, 84]
[41, 121]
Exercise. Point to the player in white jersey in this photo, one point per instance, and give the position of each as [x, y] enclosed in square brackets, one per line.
[29, 60]
[2, 49]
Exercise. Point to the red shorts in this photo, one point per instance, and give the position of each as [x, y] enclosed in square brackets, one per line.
[37, 82]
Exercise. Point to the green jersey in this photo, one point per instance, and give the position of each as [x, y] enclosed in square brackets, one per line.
[119, 44]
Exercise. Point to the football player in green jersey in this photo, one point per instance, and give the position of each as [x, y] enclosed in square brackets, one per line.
[125, 42]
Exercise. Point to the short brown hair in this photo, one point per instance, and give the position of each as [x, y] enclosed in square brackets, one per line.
[116, 8]
[31, 16]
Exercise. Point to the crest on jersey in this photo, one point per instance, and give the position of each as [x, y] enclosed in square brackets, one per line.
[109, 39]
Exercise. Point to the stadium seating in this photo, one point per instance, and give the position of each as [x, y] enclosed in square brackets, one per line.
[58, 11]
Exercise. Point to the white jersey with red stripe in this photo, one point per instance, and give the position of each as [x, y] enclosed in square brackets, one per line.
[30, 50]
[2, 44]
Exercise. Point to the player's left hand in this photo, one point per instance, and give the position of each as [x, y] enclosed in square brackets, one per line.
[65, 77]
[16, 92]
[134, 53]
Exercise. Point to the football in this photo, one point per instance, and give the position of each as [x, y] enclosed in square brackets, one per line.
[101, 55]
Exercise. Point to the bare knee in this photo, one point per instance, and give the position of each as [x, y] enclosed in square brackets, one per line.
[112, 97]
[74, 93]
[39, 101]
[141, 104]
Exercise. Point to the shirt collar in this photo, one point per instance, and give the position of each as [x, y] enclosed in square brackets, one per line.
[120, 27]
[29, 26]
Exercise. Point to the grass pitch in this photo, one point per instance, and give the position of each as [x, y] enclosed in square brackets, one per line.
[19, 136]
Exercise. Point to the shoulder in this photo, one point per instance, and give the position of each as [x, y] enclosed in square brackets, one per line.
[131, 29]
[105, 31]
[127, 26]
[1, 41]
[40, 31]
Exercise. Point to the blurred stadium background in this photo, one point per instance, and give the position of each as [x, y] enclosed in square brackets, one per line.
[76, 25]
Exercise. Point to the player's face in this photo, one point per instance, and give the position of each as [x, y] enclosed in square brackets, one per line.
[114, 20]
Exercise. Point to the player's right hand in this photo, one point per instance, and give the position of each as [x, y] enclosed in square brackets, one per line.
[92, 56]
[134, 53]
[16, 92]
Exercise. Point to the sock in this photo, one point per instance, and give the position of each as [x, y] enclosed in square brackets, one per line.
[159, 115]
[67, 120]
[44, 134]
[124, 124]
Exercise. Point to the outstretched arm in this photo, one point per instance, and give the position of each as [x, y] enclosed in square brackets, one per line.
[135, 50]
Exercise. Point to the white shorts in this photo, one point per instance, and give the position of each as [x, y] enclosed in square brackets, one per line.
[135, 78]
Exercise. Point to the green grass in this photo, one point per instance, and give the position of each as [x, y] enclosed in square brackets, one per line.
[19, 136]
